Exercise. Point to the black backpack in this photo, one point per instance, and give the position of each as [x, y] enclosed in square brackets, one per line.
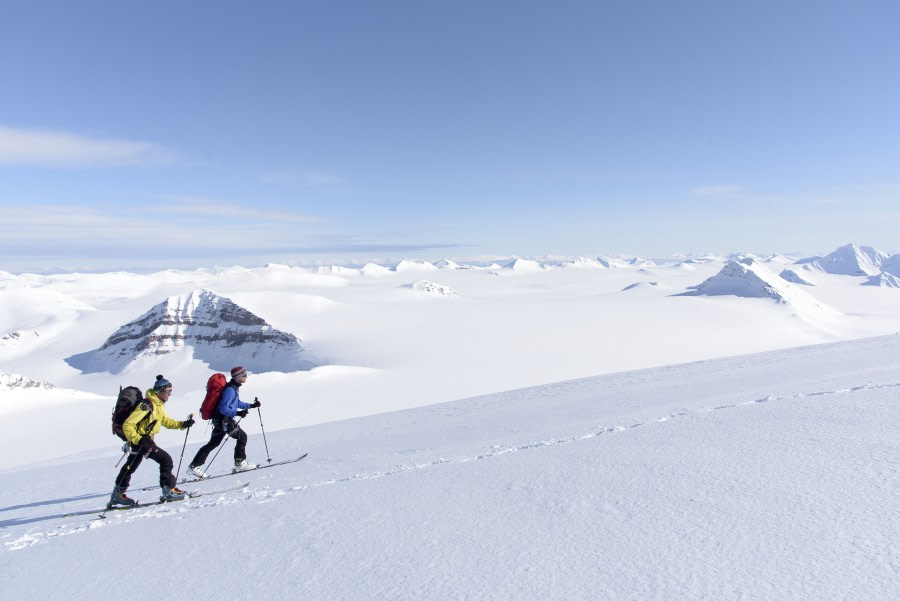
[129, 397]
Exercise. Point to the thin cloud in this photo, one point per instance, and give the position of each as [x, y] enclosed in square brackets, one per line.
[48, 237]
[129, 227]
[62, 149]
[309, 178]
[716, 190]
[204, 206]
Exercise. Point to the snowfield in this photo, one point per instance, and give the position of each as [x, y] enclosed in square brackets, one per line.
[589, 428]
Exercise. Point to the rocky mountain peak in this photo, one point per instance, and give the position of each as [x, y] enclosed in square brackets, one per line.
[202, 325]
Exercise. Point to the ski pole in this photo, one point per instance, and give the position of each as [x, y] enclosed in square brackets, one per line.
[178, 471]
[125, 448]
[259, 411]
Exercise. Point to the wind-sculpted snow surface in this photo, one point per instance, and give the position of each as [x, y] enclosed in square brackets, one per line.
[35, 316]
[214, 329]
[767, 476]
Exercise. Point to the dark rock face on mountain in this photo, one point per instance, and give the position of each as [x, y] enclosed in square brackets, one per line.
[199, 325]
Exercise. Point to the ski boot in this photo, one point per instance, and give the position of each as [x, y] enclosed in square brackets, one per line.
[197, 472]
[171, 494]
[242, 465]
[118, 498]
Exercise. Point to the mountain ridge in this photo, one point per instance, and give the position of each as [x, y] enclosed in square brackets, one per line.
[204, 325]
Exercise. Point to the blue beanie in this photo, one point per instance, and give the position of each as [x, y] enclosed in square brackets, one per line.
[161, 383]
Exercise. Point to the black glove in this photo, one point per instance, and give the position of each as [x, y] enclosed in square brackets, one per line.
[145, 445]
[256, 404]
[242, 413]
[187, 423]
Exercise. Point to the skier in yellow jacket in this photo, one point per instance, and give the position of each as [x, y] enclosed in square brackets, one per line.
[141, 426]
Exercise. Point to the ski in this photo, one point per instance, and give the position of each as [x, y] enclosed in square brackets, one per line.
[191, 495]
[260, 467]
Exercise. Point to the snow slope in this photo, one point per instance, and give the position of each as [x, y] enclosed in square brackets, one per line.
[755, 477]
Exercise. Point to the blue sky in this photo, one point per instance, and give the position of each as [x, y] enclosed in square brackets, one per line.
[207, 133]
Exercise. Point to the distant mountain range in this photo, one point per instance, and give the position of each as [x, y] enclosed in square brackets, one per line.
[748, 278]
[201, 325]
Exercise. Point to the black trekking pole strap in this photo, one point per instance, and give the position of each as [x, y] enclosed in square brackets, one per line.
[178, 471]
[129, 447]
[268, 457]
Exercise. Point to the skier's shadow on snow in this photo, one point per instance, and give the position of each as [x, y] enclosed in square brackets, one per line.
[53, 502]
[40, 518]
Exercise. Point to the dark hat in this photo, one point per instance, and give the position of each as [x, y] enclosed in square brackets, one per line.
[161, 383]
[236, 371]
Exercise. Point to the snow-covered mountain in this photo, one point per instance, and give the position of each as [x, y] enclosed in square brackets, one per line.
[432, 289]
[613, 262]
[373, 269]
[885, 280]
[451, 264]
[749, 279]
[199, 325]
[851, 259]
[336, 270]
[14, 381]
[892, 265]
[794, 277]
[525, 266]
[641, 285]
[641, 262]
[584, 262]
[407, 265]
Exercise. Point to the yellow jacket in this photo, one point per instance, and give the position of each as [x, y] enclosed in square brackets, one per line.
[147, 418]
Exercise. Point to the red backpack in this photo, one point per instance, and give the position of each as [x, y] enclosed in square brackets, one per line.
[214, 387]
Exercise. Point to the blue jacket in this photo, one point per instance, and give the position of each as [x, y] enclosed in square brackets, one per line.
[230, 402]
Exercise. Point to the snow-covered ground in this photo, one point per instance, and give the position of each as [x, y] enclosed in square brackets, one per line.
[765, 476]
[701, 428]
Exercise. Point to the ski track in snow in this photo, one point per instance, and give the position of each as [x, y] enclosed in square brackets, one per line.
[264, 495]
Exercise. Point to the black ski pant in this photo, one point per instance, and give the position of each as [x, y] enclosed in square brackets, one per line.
[223, 427]
[166, 477]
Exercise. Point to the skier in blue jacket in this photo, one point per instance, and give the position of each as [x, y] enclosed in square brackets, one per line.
[224, 424]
